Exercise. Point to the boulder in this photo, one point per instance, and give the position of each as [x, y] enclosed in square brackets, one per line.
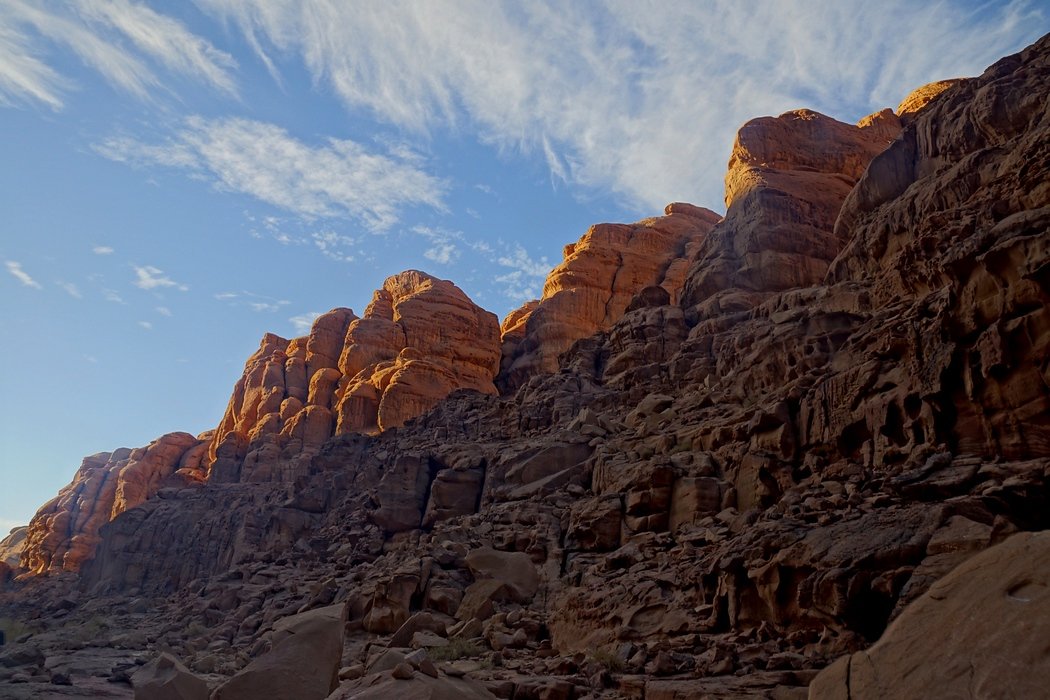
[514, 570]
[165, 678]
[302, 664]
[980, 631]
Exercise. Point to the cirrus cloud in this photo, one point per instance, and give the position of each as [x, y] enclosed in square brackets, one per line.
[338, 179]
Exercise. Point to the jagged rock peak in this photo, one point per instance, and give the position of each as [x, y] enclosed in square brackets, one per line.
[420, 339]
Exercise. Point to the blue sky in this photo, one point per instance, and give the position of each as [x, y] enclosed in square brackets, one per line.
[179, 178]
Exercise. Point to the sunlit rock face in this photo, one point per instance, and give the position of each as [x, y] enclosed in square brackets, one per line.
[787, 179]
[594, 284]
[65, 531]
[420, 339]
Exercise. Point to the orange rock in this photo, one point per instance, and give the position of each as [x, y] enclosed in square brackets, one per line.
[64, 532]
[787, 179]
[592, 287]
[420, 339]
[920, 97]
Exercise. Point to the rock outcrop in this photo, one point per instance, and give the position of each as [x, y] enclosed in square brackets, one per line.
[11, 546]
[592, 287]
[65, 531]
[787, 179]
[419, 340]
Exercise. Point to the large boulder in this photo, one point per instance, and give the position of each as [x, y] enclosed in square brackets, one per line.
[165, 678]
[981, 631]
[303, 663]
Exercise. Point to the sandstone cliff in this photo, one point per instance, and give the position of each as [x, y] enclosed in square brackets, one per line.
[731, 481]
[592, 287]
[420, 339]
[64, 532]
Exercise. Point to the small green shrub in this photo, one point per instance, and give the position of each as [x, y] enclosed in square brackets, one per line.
[458, 648]
[607, 659]
[13, 629]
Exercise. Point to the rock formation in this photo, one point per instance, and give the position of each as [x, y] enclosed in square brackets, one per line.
[592, 287]
[420, 339]
[12, 545]
[731, 481]
[960, 639]
[64, 532]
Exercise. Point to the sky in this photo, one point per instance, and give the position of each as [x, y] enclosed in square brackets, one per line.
[177, 179]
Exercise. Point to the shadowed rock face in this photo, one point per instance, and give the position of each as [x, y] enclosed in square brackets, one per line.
[725, 489]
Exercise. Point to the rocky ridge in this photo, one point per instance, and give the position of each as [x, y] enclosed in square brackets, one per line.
[733, 483]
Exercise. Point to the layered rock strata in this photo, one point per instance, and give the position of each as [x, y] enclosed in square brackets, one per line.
[65, 531]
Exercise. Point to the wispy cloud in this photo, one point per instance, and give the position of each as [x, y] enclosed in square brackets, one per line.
[338, 178]
[443, 248]
[256, 302]
[15, 268]
[148, 277]
[102, 250]
[113, 296]
[70, 289]
[625, 95]
[303, 322]
[24, 77]
[164, 39]
[118, 39]
[525, 280]
[333, 245]
[146, 324]
[163, 310]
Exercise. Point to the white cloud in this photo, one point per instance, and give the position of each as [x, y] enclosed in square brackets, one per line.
[163, 39]
[526, 278]
[24, 76]
[333, 245]
[262, 303]
[639, 98]
[149, 277]
[99, 32]
[70, 289]
[146, 324]
[102, 250]
[163, 310]
[340, 178]
[443, 249]
[15, 268]
[303, 322]
[112, 295]
[519, 259]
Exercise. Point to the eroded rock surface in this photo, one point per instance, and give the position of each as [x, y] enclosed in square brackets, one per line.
[718, 494]
[65, 531]
[961, 638]
[419, 340]
[594, 284]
